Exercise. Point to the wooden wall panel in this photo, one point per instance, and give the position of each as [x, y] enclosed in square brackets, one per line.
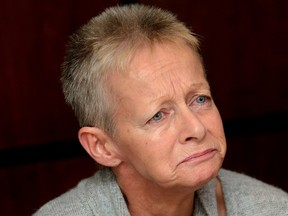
[262, 156]
[244, 44]
[32, 40]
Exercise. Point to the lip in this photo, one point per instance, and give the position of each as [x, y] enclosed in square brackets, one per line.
[199, 156]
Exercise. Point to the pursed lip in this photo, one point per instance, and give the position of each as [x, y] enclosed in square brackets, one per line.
[200, 155]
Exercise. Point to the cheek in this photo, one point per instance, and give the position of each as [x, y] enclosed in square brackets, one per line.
[214, 126]
[214, 123]
[134, 147]
[146, 151]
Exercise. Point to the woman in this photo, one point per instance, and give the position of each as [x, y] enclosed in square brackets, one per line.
[135, 79]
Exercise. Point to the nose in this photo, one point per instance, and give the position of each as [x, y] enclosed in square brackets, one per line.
[191, 127]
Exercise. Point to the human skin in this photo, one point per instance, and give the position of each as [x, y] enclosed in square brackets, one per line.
[169, 136]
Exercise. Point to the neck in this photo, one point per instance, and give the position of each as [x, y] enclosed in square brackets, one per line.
[143, 197]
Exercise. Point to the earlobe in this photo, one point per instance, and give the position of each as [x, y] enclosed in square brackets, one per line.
[99, 146]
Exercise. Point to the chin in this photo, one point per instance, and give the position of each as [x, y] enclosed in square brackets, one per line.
[203, 173]
[206, 176]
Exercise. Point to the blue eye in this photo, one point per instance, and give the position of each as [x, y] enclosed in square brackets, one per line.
[201, 99]
[158, 116]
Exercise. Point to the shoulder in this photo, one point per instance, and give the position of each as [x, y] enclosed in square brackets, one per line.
[245, 195]
[92, 196]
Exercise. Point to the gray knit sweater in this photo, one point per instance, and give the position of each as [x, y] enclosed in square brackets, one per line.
[100, 195]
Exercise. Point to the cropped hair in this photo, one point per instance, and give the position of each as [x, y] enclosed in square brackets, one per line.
[106, 45]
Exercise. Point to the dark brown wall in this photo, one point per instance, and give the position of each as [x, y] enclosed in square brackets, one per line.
[244, 44]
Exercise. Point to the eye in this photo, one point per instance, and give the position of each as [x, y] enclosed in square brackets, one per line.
[157, 117]
[201, 99]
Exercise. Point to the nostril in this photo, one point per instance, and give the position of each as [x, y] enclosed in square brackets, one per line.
[188, 139]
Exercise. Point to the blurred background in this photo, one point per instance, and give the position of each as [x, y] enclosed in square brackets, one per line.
[244, 44]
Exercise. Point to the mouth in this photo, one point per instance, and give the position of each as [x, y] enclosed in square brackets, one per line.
[200, 156]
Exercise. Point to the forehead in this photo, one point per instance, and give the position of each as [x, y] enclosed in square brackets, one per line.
[159, 68]
[164, 60]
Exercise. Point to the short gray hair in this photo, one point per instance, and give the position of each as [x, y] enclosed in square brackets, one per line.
[106, 44]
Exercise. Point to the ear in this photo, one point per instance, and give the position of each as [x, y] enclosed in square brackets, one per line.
[99, 146]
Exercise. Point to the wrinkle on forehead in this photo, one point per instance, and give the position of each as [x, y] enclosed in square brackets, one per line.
[156, 54]
[153, 67]
[148, 55]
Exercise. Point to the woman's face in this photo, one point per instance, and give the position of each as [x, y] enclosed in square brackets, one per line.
[168, 128]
